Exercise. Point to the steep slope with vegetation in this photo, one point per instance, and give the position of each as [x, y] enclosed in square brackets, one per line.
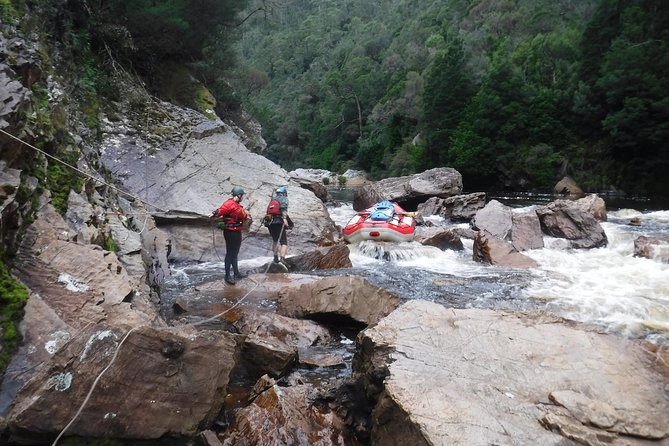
[65, 65]
[513, 93]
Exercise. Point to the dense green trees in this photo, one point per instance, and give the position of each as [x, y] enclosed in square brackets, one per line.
[163, 41]
[515, 94]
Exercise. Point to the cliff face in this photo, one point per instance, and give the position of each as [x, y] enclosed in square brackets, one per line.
[101, 165]
[98, 193]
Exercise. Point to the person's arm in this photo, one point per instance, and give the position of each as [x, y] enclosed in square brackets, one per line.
[283, 205]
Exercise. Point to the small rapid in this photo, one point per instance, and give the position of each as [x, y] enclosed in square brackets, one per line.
[607, 287]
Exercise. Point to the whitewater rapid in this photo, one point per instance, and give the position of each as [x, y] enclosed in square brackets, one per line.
[608, 286]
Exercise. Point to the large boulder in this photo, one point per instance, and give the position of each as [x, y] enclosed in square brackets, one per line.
[20, 68]
[439, 237]
[526, 231]
[72, 287]
[651, 248]
[442, 376]
[285, 416]
[331, 257]
[594, 205]
[139, 384]
[566, 219]
[184, 178]
[496, 218]
[459, 208]
[568, 186]
[351, 297]
[409, 191]
[495, 251]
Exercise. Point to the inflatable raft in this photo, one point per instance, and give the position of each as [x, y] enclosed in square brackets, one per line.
[385, 221]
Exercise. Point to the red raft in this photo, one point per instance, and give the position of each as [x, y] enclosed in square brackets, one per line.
[385, 221]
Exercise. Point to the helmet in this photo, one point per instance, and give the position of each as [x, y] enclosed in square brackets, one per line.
[281, 190]
[237, 191]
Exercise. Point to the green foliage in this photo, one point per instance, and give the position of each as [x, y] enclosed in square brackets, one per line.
[446, 92]
[625, 81]
[7, 12]
[509, 92]
[61, 179]
[13, 296]
[341, 179]
[110, 244]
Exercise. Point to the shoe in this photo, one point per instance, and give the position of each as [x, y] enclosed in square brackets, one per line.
[283, 261]
[239, 275]
[276, 258]
[229, 280]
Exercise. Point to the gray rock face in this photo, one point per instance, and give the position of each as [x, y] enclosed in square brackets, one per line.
[440, 238]
[456, 208]
[594, 205]
[440, 182]
[196, 175]
[495, 251]
[440, 379]
[526, 231]
[285, 416]
[494, 218]
[650, 248]
[567, 186]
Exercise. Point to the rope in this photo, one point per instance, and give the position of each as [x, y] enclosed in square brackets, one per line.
[118, 348]
[90, 392]
[111, 186]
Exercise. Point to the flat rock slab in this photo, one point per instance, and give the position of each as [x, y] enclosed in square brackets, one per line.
[484, 377]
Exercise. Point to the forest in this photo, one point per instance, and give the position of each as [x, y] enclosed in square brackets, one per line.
[515, 94]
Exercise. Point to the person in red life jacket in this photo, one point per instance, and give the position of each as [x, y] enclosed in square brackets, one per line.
[233, 217]
[279, 224]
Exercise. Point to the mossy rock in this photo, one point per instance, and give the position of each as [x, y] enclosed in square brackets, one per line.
[175, 83]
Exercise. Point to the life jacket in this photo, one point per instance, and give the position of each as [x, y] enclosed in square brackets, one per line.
[233, 215]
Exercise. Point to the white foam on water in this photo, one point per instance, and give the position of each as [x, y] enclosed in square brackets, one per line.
[340, 215]
[606, 286]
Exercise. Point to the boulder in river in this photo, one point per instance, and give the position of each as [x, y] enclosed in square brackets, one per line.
[409, 191]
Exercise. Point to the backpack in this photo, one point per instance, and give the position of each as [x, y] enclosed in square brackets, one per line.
[274, 207]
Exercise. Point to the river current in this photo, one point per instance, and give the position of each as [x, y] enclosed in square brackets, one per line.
[606, 287]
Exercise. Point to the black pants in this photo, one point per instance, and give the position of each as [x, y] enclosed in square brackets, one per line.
[233, 241]
[278, 233]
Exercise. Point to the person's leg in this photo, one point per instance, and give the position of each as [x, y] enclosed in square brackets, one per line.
[236, 239]
[275, 231]
[283, 249]
[229, 243]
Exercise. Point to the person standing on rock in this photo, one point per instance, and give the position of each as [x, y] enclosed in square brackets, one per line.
[233, 218]
[278, 223]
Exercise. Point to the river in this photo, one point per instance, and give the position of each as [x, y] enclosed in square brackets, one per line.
[607, 287]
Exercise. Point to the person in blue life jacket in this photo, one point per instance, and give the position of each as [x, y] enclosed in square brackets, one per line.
[233, 218]
[279, 223]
